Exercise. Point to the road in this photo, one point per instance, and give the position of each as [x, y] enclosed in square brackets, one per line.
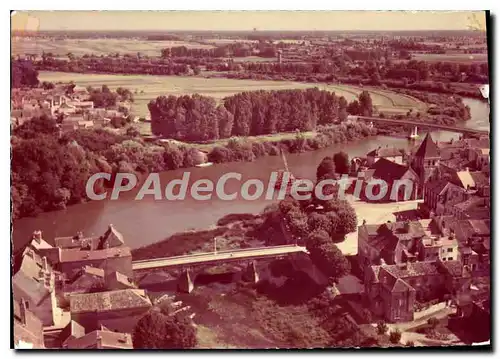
[219, 256]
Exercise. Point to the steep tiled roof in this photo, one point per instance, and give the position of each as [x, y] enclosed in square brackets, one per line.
[427, 148]
[109, 301]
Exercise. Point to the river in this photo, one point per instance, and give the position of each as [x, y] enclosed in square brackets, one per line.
[147, 221]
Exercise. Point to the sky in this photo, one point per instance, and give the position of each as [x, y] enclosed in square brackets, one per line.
[245, 20]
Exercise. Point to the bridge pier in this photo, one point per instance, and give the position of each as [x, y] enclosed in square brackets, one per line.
[251, 272]
[185, 283]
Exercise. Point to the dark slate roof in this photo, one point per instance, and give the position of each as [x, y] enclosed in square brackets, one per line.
[388, 170]
[427, 148]
[436, 186]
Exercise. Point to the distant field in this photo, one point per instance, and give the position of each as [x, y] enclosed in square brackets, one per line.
[451, 57]
[146, 88]
[96, 46]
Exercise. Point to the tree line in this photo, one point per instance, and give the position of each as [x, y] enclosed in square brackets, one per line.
[199, 118]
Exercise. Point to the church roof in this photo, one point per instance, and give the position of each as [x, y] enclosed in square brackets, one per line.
[428, 148]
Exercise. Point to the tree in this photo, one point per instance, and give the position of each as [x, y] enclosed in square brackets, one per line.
[133, 132]
[365, 104]
[382, 328]
[159, 331]
[341, 161]
[329, 259]
[23, 74]
[326, 167]
[395, 336]
[317, 239]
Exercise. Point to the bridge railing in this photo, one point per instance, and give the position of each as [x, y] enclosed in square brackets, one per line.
[238, 250]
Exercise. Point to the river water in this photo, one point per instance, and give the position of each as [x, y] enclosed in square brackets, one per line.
[148, 220]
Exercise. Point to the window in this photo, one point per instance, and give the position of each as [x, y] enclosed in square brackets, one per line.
[450, 250]
[450, 258]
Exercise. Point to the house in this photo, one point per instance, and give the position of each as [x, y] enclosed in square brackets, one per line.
[110, 239]
[441, 195]
[395, 182]
[389, 153]
[85, 280]
[34, 282]
[440, 241]
[474, 207]
[425, 158]
[473, 238]
[28, 329]
[110, 259]
[100, 339]
[393, 290]
[388, 243]
[473, 317]
[117, 310]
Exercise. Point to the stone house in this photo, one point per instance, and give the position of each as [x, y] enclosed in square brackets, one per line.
[392, 290]
[28, 329]
[34, 283]
[109, 259]
[117, 310]
[388, 243]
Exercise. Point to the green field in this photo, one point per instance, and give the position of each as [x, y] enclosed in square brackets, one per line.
[99, 47]
[148, 87]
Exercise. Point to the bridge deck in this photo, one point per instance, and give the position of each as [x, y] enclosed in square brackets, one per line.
[423, 124]
[220, 256]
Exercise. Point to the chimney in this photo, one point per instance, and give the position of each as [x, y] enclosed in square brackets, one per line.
[37, 236]
[45, 267]
[24, 307]
[364, 222]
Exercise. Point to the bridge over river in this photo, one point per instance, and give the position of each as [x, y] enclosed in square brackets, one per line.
[186, 263]
[464, 130]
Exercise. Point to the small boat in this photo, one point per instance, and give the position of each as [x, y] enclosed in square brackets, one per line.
[414, 134]
[206, 164]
